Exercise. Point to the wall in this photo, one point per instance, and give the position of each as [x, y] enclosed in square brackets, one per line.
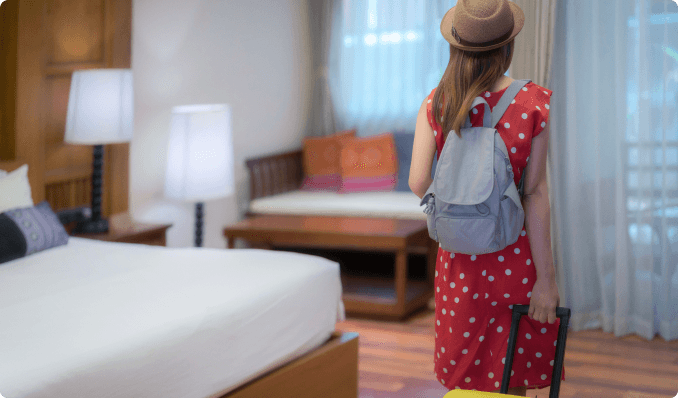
[251, 54]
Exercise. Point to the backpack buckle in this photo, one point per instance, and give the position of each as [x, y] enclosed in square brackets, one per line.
[430, 205]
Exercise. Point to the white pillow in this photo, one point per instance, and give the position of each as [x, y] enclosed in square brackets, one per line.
[15, 191]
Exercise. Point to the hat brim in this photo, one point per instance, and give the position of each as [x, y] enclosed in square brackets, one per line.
[446, 29]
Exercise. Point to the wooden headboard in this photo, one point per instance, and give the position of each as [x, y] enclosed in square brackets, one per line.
[274, 174]
[11, 165]
[44, 41]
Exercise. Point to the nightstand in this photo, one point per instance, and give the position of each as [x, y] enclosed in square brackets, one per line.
[121, 228]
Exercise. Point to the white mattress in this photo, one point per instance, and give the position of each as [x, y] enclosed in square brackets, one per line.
[399, 205]
[99, 319]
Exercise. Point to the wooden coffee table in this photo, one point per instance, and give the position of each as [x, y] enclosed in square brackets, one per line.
[380, 297]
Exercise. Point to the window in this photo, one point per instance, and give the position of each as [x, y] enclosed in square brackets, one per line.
[652, 130]
[386, 57]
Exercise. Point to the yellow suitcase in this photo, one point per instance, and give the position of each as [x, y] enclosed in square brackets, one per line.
[475, 394]
[519, 311]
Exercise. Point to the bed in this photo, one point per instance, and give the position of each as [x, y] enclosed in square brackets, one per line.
[94, 318]
[136, 320]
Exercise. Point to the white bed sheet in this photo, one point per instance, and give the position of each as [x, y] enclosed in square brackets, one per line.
[392, 204]
[100, 319]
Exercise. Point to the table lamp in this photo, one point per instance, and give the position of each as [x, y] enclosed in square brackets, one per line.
[100, 111]
[200, 157]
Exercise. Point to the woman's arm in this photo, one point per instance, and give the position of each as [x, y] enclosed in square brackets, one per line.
[536, 204]
[423, 150]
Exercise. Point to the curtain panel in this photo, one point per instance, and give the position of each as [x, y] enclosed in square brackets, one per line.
[614, 157]
[321, 121]
[534, 44]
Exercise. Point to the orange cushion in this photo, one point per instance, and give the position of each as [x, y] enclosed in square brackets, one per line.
[321, 155]
[369, 164]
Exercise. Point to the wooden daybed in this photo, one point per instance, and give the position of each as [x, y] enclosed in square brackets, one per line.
[281, 174]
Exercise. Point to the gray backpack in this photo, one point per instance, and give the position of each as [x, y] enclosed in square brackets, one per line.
[473, 206]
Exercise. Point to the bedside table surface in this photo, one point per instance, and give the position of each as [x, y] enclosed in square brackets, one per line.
[122, 228]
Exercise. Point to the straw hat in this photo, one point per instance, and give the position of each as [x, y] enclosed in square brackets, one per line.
[481, 25]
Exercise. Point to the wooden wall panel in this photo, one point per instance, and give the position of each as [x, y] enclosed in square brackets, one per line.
[57, 88]
[75, 39]
[119, 45]
[60, 157]
[9, 18]
[75, 31]
[30, 95]
[57, 38]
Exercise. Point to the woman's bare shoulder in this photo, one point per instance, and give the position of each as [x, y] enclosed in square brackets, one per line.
[501, 84]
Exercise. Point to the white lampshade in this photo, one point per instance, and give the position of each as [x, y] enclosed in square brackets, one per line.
[100, 107]
[200, 153]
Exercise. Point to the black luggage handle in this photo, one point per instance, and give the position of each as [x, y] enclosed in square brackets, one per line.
[518, 312]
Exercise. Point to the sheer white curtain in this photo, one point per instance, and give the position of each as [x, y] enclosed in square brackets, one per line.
[385, 57]
[614, 159]
[321, 120]
[534, 45]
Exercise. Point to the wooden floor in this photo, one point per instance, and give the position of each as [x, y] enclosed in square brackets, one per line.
[396, 360]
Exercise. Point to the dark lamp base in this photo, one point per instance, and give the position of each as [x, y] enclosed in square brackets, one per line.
[90, 226]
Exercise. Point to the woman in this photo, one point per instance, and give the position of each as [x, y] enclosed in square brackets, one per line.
[474, 294]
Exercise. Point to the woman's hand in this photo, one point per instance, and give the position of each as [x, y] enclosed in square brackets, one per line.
[544, 300]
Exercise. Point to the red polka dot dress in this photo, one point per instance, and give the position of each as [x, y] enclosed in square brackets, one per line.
[474, 294]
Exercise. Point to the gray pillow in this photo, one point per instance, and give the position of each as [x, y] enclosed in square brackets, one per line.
[29, 230]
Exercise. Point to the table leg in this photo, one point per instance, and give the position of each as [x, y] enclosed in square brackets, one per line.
[261, 245]
[231, 242]
[401, 279]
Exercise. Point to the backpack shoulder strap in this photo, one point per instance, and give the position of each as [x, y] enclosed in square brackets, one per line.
[486, 115]
[506, 99]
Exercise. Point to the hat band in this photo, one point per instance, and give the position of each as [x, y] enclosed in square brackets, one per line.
[485, 44]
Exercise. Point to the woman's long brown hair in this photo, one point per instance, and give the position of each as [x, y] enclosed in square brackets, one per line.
[468, 74]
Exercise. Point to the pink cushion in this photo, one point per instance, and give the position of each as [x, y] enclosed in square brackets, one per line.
[322, 170]
[367, 184]
[324, 182]
[369, 164]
